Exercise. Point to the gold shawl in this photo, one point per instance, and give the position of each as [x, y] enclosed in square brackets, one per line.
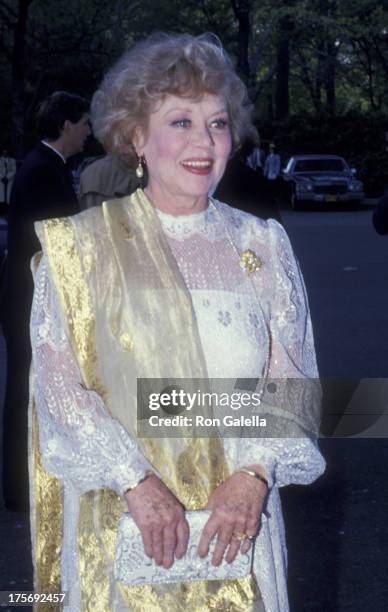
[128, 315]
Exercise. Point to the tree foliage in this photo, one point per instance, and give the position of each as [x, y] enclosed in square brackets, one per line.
[320, 57]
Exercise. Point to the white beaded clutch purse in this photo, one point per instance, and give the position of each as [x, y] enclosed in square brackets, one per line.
[132, 566]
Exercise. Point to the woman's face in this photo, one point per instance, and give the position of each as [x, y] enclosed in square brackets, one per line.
[186, 149]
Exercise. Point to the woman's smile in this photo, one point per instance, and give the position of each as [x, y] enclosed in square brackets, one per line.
[198, 165]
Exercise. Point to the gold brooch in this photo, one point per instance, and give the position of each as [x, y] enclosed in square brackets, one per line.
[250, 262]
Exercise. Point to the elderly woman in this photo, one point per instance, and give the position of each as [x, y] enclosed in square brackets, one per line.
[166, 283]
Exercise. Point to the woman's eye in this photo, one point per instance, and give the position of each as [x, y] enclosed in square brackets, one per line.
[220, 124]
[181, 123]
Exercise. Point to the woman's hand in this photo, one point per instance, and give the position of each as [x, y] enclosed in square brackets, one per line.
[236, 508]
[161, 520]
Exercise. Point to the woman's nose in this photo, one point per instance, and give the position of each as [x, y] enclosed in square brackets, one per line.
[204, 136]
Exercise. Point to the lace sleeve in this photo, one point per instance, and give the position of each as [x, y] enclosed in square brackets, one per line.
[288, 459]
[80, 443]
[293, 351]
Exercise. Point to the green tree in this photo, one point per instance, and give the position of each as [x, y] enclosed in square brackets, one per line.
[314, 56]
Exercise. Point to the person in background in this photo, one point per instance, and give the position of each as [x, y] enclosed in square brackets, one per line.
[42, 189]
[106, 178]
[271, 173]
[255, 160]
[380, 216]
[7, 175]
[272, 164]
[243, 185]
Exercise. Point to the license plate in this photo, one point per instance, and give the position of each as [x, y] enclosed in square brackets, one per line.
[331, 198]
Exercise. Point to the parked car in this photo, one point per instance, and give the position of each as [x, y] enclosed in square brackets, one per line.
[323, 179]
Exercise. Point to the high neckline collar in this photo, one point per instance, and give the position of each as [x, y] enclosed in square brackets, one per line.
[192, 218]
[205, 223]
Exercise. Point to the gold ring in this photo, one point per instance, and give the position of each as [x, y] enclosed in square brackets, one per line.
[239, 535]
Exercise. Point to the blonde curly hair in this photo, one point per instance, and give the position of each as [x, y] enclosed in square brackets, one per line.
[181, 65]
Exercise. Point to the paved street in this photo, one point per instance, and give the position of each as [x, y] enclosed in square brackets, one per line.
[337, 529]
[344, 263]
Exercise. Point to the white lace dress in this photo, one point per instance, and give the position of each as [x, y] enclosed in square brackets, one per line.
[87, 449]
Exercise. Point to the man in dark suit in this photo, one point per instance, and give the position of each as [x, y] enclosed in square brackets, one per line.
[42, 189]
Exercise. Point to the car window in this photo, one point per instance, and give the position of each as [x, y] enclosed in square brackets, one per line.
[319, 165]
